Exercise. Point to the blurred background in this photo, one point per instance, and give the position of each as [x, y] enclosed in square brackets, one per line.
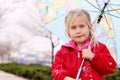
[29, 30]
[22, 38]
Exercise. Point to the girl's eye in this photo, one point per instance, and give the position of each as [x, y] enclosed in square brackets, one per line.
[81, 26]
[73, 27]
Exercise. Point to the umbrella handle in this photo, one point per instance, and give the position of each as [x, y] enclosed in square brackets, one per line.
[80, 69]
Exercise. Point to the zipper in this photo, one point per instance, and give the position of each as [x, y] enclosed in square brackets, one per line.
[78, 54]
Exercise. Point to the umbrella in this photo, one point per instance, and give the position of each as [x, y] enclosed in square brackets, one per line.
[53, 9]
[104, 12]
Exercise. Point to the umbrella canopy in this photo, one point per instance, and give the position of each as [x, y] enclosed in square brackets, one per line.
[52, 9]
[104, 12]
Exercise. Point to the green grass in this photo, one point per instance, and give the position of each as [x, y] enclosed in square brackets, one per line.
[32, 71]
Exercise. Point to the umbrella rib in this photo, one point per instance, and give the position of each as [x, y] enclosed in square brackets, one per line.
[113, 15]
[98, 4]
[92, 4]
[113, 10]
[92, 11]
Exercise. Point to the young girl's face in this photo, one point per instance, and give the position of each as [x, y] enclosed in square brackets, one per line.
[79, 30]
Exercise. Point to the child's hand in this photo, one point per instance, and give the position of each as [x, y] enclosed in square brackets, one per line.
[87, 54]
[69, 78]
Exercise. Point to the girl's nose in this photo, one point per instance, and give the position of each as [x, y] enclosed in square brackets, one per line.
[78, 30]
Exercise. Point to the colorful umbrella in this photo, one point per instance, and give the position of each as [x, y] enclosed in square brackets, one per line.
[105, 12]
[52, 9]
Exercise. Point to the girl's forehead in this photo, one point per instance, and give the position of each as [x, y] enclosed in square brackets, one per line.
[83, 15]
[80, 18]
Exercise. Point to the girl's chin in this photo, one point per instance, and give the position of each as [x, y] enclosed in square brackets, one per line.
[80, 41]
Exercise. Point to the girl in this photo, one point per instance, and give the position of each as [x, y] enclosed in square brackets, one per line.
[68, 59]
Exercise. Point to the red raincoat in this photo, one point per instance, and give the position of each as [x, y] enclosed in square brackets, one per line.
[68, 60]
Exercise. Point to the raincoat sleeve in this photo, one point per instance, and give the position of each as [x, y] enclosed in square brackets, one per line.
[58, 72]
[103, 61]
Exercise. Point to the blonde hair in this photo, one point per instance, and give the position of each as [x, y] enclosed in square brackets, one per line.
[72, 15]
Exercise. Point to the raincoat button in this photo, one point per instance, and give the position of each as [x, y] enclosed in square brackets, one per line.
[78, 54]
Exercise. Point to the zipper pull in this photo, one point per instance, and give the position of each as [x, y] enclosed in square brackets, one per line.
[78, 54]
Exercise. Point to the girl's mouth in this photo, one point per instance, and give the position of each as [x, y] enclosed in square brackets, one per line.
[79, 36]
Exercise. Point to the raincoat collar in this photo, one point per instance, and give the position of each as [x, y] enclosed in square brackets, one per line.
[72, 44]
